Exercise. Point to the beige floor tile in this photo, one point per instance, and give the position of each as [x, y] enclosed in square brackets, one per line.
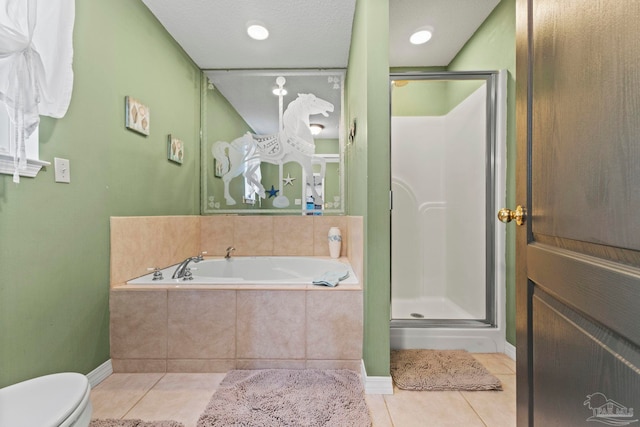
[430, 408]
[190, 382]
[507, 361]
[378, 410]
[178, 397]
[496, 408]
[495, 363]
[116, 395]
[183, 397]
[184, 406]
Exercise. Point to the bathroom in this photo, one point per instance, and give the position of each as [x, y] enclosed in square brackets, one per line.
[55, 311]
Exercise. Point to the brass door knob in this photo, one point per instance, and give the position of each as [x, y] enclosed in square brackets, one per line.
[507, 215]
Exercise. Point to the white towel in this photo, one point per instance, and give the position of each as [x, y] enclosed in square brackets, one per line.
[331, 278]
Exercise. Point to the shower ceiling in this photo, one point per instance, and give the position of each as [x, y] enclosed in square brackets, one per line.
[312, 34]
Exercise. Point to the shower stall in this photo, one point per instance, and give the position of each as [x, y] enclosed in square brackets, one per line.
[448, 136]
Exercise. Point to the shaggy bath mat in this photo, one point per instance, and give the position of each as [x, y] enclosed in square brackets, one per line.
[440, 370]
[283, 397]
[110, 422]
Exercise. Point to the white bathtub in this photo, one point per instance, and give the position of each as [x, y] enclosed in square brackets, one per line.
[254, 271]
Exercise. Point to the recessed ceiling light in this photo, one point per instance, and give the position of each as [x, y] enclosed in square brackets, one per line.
[257, 31]
[421, 36]
[316, 128]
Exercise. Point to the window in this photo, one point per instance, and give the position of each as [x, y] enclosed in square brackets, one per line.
[7, 165]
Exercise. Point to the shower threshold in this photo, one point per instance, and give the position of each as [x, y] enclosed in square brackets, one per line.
[429, 308]
[440, 323]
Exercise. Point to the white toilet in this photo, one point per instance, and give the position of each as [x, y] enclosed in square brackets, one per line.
[57, 400]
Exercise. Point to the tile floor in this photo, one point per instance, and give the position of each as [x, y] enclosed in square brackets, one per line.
[182, 397]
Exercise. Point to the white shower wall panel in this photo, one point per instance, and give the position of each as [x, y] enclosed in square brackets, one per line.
[418, 153]
[407, 269]
[465, 195]
[433, 217]
[418, 219]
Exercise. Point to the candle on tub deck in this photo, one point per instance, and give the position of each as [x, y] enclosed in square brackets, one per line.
[335, 242]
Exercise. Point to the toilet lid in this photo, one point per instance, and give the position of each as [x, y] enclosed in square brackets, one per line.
[44, 401]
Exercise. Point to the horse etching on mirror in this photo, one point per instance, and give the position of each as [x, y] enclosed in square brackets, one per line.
[294, 143]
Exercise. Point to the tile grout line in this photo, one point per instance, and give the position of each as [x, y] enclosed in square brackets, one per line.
[386, 406]
[166, 342]
[143, 396]
[473, 409]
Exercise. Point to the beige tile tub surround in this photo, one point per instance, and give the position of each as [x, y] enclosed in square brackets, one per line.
[216, 330]
[274, 235]
[271, 325]
[141, 242]
[138, 243]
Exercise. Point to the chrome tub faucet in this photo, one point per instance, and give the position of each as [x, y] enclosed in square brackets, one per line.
[183, 271]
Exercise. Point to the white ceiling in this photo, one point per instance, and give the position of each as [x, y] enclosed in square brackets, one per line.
[302, 33]
[453, 21]
[309, 34]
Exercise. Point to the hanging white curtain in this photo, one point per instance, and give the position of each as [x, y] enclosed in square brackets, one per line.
[36, 75]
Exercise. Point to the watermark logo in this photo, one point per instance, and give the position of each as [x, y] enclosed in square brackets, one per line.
[607, 411]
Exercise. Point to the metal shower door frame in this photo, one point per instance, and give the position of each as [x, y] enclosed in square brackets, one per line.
[491, 78]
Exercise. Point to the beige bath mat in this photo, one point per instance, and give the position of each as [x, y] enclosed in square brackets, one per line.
[440, 370]
[111, 422]
[283, 397]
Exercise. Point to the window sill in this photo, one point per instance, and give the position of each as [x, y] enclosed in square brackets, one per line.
[33, 166]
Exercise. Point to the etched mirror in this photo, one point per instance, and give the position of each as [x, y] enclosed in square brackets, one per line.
[272, 142]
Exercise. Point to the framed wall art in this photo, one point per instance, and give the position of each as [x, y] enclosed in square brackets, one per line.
[175, 149]
[137, 116]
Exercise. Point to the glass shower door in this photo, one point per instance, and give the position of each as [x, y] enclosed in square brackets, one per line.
[442, 167]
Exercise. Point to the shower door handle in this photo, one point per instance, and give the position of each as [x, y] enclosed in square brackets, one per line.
[507, 215]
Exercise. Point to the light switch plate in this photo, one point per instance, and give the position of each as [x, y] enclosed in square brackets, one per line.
[62, 171]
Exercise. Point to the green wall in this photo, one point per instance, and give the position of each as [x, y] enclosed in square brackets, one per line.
[54, 238]
[368, 170]
[492, 47]
[420, 98]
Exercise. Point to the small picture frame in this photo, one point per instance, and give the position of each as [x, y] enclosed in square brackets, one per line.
[137, 116]
[175, 149]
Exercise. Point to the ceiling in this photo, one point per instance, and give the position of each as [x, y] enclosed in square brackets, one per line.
[307, 34]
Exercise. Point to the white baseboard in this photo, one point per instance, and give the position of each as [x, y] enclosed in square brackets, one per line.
[510, 350]
[376, 385]
[100, 373]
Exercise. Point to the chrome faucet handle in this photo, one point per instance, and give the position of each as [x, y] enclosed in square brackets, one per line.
[202, 254]
[187, 274]
[229, 250]
[157, 274]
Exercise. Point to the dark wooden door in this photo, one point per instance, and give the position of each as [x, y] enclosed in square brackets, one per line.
[578, 253]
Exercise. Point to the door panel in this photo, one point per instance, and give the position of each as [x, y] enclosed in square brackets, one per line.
[561, 340]
[607, 291]
[578, 257]
[586, 98]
